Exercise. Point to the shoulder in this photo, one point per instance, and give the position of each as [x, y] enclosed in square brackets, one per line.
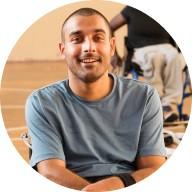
[125, 12]
[134, 92]
[126, 9]
[49, 92]
[128, 12]
[134, 86]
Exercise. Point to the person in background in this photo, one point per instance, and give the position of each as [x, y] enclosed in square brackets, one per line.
[94, 131]
[152, 48]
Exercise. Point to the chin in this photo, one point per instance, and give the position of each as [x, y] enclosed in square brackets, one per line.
[91, 78]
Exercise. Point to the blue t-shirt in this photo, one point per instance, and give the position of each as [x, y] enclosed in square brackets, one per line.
[95, 138]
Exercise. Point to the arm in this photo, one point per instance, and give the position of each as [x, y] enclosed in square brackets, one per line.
[145, 167]
[115, 24]
[56, 171]
[47, 145]
[151, 152]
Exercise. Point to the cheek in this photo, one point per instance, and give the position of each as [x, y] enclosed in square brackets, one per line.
[72, 51]
[107, 52]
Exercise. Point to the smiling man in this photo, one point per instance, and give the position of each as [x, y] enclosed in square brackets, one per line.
[94, 131]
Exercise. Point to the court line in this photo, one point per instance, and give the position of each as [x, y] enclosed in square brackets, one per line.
[10, 129]
[12, 106]
[16, 139]
[16, 89]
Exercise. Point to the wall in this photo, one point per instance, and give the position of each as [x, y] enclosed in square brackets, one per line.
[40, 41]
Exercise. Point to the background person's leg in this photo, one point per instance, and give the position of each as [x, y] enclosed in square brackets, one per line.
[152, 63]
[173, 79]
[162, 68]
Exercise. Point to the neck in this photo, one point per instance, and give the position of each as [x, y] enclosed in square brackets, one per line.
[92, 91]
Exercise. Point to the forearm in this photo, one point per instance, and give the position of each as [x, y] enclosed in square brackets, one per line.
[68, 179]
[115, 182]
[108, 184]
[143, 173]
[63, 176]
[146, 166]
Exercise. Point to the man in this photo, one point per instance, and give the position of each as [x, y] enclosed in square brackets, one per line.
[94, 131]
[151, 47]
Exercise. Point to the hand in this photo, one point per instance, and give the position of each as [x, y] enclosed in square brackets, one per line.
[109, 184]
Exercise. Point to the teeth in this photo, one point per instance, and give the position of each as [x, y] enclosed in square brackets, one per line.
[88, 60]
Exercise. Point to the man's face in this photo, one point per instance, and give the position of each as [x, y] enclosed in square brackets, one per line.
[87, 47]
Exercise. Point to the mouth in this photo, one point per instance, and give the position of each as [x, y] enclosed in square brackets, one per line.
[89, 60]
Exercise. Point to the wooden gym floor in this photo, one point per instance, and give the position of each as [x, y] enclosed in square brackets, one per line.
[18, 81]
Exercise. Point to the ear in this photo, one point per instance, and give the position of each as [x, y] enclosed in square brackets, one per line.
[61, 48]
[112, 45]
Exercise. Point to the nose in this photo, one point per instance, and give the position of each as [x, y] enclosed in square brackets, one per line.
[89, 45]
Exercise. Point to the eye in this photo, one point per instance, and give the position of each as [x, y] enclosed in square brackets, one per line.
[76, 39]
[99, 37]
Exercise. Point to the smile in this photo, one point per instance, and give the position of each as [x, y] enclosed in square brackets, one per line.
[89, 60]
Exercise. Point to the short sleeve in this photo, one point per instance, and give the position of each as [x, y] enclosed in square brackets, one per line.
[43, 130]
[125, 13]
[151, 136]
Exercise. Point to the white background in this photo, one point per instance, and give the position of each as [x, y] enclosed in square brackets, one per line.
[16, 17]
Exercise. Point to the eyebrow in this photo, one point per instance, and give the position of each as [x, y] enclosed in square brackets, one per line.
[99, 30]
[80, 32]
[75, 33]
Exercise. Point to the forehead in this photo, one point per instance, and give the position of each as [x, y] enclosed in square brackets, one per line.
[85, 24]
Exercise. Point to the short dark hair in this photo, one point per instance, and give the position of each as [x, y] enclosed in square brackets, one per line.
[85, 12]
